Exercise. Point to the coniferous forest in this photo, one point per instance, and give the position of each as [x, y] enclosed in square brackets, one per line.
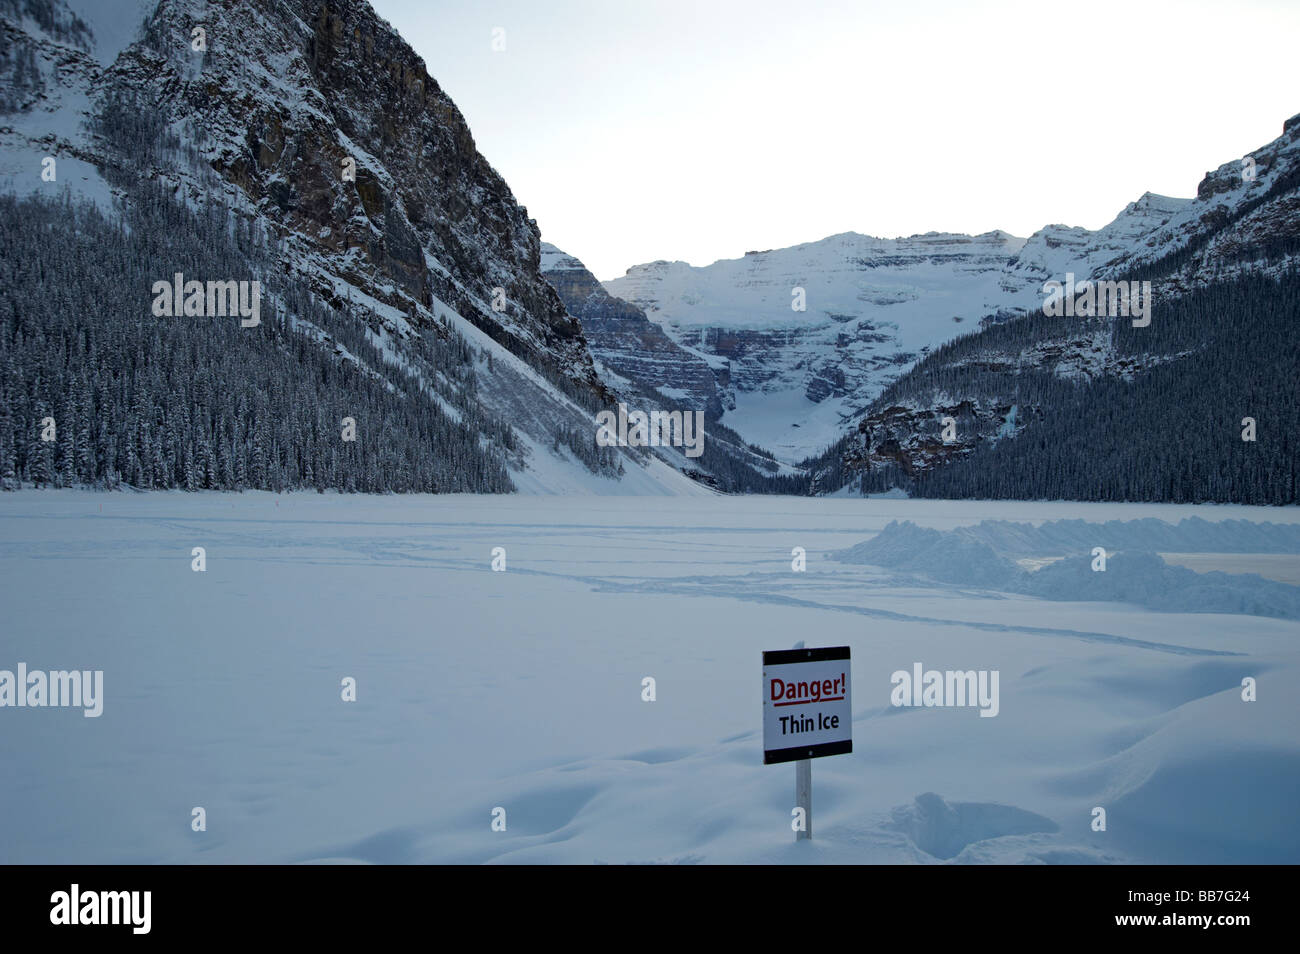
[202, 402]
[1172, 431]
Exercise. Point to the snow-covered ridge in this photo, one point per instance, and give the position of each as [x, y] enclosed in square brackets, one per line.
[1055, 250]
[625, 341]
[791, 379]
[796, 380]
[840, 275]
[553, 259]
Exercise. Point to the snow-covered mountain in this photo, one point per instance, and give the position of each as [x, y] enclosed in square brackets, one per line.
[317, 126]
[1093, 407]
[795, 381]
[791, 379]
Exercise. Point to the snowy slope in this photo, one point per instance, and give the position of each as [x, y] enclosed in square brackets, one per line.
[48, 78]
[53, 110]
[114, 24]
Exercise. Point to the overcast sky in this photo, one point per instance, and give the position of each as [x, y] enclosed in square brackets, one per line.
[699, 129]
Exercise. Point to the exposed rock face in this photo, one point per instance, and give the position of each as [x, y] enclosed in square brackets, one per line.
[912, 438]
[328, 84]
[621, 337]
[1085, 354]
[1245, 218]
[644, 364]
[317, 132]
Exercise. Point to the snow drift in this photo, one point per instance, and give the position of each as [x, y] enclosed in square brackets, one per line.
[984, 556]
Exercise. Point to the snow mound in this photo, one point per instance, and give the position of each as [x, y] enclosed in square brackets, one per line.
[1181, 784]
[1147, 580]
[1190, 535]
[950, 557]
[981, 556]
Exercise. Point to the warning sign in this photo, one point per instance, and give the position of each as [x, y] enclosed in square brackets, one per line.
[806, 707]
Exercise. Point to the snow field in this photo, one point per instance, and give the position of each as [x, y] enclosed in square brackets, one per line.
[522, 689]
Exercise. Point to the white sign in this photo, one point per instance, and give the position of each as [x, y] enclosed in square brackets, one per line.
[807, 712]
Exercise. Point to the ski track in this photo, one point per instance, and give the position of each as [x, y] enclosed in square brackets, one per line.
[377, 552]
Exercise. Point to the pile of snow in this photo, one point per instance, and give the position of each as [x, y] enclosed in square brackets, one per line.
[952, 556]
[965, 556]
[1189, 535]
[1147, 580]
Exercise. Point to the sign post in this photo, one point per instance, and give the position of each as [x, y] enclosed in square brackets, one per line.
[803, 796]
[807, 714]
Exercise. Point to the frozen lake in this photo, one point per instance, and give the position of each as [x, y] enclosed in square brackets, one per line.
[522, 689]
